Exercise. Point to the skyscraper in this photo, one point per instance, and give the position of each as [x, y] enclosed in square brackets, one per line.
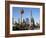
[19, 21]
[32, 21]
[27, 20]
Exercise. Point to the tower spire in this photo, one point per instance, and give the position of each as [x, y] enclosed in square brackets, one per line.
[30, 19]
[22, 11]
[31, 13]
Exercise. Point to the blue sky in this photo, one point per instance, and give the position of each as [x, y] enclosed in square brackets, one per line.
[27, 11]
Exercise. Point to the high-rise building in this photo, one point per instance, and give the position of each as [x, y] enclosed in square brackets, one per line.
[19, 21]
[32, 23]
[13, 20]
[27, 20]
